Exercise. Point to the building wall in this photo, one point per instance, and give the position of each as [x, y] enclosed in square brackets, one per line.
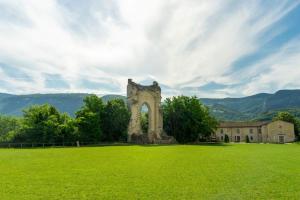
[237, 131]
[280, 128]
[266, 133]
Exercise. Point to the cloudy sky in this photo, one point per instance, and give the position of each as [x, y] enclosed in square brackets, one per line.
[219, 48]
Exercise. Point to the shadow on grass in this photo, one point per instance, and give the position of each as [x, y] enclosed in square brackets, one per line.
[36, 146]
[214, 144]
[198, 144]
[118, 145]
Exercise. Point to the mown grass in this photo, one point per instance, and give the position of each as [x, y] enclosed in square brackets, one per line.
[239, 171]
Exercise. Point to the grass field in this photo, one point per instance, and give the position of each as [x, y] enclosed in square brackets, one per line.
[240, 171]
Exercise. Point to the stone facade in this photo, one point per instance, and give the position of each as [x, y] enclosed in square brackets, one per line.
[266, 132]
[137, 96]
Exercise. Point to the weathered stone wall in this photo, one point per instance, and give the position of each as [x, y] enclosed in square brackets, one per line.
[280, 128]
[137, 96]
[243, 132]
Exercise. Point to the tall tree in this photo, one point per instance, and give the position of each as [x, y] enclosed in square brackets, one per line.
[40, 124]
[9, 127]
[68, 132]
[115, 120]
[88, 119]
[186, 119]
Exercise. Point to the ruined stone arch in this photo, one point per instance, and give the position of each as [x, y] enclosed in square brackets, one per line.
[137, 96]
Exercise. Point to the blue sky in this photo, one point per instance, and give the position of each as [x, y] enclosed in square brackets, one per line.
[220, 48]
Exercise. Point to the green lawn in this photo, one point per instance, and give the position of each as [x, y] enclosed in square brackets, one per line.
[240, 171]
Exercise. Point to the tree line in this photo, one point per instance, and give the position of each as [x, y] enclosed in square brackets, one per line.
[184, 118]
[94, 122]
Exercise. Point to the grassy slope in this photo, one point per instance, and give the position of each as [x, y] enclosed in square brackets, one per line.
[242, 171]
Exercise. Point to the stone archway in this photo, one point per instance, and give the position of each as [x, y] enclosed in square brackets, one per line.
[138, 95]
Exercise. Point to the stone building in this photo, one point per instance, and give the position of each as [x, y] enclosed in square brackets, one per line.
[266, 132]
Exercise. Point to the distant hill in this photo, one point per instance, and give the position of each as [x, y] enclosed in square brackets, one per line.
[14, 104]
[109, 97]
[64, 102]
[257, 107]
[3, 96]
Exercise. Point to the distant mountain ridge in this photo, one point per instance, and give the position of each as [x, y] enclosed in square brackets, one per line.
[257, 107]
[14, 104]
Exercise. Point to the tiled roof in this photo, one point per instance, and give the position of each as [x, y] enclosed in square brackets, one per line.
[242, 124]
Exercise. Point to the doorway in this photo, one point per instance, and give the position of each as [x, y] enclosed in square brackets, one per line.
[281, 139]
[237, 138]
[259, 138]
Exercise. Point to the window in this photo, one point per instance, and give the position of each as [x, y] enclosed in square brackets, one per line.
[259, 130]
[251, 137]
[251, 131]
[222, 131]
[222, 138]
[237, 138]
[238, 130]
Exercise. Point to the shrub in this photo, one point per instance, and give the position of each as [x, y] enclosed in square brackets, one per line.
[247, 139]
[226, 139]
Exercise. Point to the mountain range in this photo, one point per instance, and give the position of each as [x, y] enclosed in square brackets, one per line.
[257, 107]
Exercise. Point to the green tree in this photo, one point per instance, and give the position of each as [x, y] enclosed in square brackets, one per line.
[226, 139]
[186, 118]
[40, 124]
[88, 119]
[45, 124]
[288, 117]
[115, 120]
[247, 139]
[68, 132]
[9, 127]
[145, 122]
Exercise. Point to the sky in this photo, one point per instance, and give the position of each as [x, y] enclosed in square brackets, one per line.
[216, 49]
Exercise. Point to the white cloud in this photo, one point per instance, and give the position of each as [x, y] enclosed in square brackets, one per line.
[280, 70]
[179, 43]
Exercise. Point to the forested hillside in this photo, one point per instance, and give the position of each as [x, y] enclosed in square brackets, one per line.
[257, 107]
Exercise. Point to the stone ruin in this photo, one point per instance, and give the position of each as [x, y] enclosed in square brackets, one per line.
[137, 96]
